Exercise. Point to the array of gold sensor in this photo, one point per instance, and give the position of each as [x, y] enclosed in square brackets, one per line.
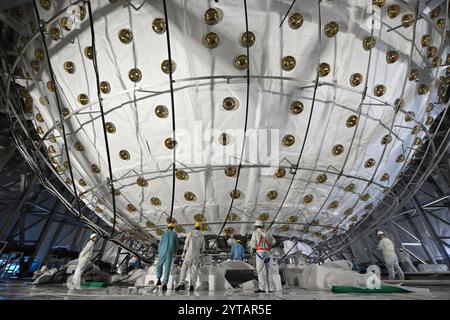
[212, 17]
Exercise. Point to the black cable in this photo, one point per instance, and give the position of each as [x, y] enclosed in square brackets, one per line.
[172, 101]
[341, 172]
[16, 92]
[294, 245]
[61, 119]
[100, 103]
[393, 121]
[287, 13]
[51, 189]
[245, 124]
[316, 84]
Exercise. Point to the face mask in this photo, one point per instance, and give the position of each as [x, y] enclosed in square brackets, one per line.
[196, 231]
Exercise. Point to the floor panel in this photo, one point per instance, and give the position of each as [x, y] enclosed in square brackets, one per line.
[22, 290]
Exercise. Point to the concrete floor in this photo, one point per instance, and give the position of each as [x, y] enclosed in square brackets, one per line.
[19, 290]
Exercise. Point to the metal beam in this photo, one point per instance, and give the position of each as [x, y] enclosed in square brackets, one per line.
[412, 254]
[52, 242]
[41, 237]
[432, 232]
[116, 260]
[372, 254]
[39, 220]
[426, 193]
[447, 165]
[435, 184]
[396, 239]
[424, 245]
[102, 250]
[430, 203]
[8, 191]
[407, 232]
[22, 242]
[65, 235]
[434, 208]
[82, 236]
[73, 246]
[26, 190]
[439, 218]
[7, 156]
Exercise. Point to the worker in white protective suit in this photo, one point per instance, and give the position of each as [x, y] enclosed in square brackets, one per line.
[194, 246]
[390, 258]
[261, 243]
[405, 260]
[83, 260]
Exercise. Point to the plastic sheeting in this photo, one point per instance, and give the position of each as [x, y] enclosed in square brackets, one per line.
[433, 268]
[136, 277]
[235, 265]
[291, 247]
[50, 276]
[337, 273]
[200, 118]
[340, 264]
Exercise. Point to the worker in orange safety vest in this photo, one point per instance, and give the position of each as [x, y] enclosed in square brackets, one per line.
[261, 243]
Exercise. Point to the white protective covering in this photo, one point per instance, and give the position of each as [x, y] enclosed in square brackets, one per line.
[292, 247]
[340, 264]
[200, 117]
[373, 268]
[134, 276]
[433, 268]
[304, 248]
[235, 265]
[212, 278]
[45, 276]
[336, 273]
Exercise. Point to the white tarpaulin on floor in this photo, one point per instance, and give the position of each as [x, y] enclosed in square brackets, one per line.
[337, 273]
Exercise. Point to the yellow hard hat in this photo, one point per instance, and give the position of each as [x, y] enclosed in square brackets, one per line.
[238, 241]
[170, 225]
[198, 225]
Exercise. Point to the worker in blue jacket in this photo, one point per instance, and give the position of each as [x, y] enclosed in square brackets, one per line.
[237, 251]
[168, 246]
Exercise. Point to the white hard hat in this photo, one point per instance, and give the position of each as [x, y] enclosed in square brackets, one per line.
[93, 236]
[259, 223]
[380, 233]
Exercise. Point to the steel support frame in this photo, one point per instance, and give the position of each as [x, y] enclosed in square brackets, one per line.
[432, 232]
[11, 217]
[372, 253]
[405, 244]
[40, 240]
[419, 236]
[47, 256]
[406, 191]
